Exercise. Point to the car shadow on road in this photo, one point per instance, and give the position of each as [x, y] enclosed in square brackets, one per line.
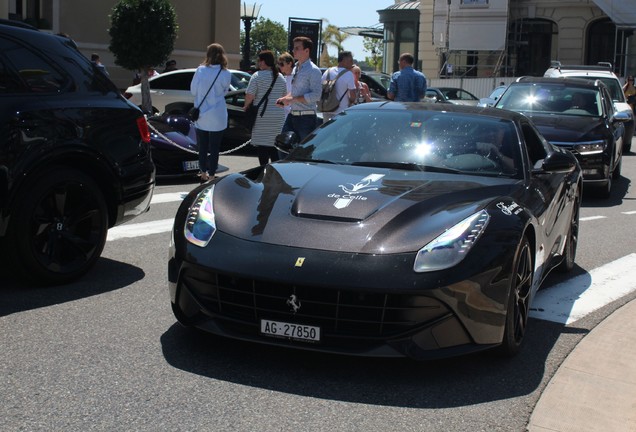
[107, 275]
[618, 194]
[454, 382]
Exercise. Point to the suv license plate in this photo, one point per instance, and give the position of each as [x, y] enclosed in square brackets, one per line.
[290, 331]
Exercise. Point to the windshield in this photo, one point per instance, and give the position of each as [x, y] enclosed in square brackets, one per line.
[416, 140]
[552, 99]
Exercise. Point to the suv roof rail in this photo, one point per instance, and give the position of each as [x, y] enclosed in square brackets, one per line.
[600, 65]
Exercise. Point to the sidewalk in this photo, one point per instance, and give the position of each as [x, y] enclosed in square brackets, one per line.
[595, 387]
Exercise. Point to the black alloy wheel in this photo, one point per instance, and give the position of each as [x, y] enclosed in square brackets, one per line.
[60, 227]
[571, 242]
[518, 301]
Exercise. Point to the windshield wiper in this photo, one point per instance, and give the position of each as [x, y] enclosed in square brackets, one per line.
[408, 166]
[297, 159]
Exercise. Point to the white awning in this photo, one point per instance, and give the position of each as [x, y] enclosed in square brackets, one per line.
[376, 31]
[621, 12]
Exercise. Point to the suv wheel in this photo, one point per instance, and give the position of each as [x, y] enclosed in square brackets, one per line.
[59, 226]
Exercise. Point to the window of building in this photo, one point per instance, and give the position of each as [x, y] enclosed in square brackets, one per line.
[606, 43]
[532, 45]
[38, 13]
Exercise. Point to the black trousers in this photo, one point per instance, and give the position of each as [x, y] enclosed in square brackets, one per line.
[266, 154]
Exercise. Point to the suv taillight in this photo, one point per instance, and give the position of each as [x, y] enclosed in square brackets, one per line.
[142, 125]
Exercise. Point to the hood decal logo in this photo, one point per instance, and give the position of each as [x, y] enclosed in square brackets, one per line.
[352, 190]
[509, 210]
[294, 303]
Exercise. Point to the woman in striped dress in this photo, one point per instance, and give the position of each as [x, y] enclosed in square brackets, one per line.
[270, 124]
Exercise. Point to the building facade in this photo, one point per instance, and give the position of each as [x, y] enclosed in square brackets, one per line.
[484, 38]
[201, 22]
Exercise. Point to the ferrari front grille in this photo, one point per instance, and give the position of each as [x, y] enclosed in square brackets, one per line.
[339, 312]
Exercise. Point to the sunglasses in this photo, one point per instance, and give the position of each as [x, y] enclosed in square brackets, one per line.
[281, 64]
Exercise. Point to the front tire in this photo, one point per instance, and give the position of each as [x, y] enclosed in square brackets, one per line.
[59, 227]
[569, 254]
[518, 301]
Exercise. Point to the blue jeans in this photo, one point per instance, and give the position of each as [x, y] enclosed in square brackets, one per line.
[302, 125]
[209, 146]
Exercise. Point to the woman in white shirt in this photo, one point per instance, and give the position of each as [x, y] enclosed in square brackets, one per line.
[209, 85]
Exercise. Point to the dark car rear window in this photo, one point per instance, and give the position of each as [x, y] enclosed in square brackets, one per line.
[24, 71]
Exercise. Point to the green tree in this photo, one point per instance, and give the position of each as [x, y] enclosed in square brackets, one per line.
[266, 35]
[142, 35]
[373, 46]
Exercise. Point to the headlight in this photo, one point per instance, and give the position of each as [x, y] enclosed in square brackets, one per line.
[200, 225]
[590, 147]
[451, 247]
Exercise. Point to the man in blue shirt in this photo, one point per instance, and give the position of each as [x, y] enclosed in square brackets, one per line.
[407, 85]
[306, 90]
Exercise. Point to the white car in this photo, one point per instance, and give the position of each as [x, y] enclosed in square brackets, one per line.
[492, 97]
[602, 71]
[174, 86]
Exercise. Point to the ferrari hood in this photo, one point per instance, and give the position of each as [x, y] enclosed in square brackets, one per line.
[348, 208]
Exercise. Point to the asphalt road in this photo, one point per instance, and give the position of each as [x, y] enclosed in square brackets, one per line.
[106, 354]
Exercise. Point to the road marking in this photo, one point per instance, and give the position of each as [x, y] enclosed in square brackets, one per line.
[140, 229]
[592, 218]
[574, 298]
[629, 213]
[168, 197]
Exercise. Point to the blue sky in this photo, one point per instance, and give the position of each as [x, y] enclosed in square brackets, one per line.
[341, 13]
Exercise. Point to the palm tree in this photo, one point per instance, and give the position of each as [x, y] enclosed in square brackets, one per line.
[334, 37]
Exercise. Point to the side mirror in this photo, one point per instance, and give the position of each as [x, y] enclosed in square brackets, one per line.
[621, 116]
[286, 141]
[559, 161]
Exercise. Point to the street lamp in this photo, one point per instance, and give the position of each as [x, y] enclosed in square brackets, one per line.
[249, 13]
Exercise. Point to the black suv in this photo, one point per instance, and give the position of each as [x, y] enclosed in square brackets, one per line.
[578, 115]
[74, 156]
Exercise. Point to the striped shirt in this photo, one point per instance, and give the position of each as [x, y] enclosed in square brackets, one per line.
[270, 124]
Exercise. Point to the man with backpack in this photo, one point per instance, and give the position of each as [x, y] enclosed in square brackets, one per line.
[338, 87]
[305, 91]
